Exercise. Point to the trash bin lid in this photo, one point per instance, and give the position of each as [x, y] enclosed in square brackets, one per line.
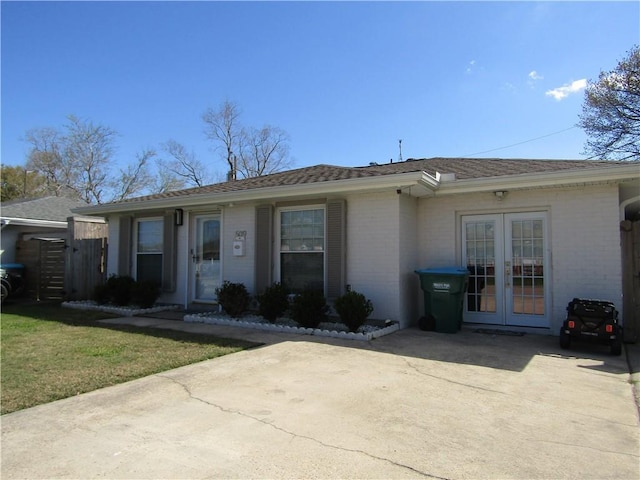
[11, 266]
[444, 271]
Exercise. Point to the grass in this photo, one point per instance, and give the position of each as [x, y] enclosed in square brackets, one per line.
[50, 352]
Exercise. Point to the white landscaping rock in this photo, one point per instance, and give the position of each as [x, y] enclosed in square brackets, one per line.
[368, 332]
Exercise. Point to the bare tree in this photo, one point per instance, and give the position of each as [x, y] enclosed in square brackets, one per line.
[135, 179]
[89, 149]
[611, 111]
[184, 165]
[78, 162]
[46, 158]
[263, 151]
[250, 152]
[221, 127]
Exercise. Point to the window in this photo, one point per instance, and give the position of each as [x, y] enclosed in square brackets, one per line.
[302, 248]
[149, 244]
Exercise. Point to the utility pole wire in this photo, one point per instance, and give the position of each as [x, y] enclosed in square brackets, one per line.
[519, 143]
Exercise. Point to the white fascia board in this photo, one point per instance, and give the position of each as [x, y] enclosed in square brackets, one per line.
[29, 222]
[334, 187]
[544, 179]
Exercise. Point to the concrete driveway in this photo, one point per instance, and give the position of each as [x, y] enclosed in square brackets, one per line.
[410, 405]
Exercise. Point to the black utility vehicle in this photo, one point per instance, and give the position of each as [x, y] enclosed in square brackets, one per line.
[11, 280]
[592, 320]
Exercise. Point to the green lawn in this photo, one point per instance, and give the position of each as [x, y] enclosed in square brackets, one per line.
[50, 352]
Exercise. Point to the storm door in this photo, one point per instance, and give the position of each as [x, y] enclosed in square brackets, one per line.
[205, 257]
[507, 259]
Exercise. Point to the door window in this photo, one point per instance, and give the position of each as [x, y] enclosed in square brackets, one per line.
[480, 250]
[206, 258]
[506, 256]
[527, 260]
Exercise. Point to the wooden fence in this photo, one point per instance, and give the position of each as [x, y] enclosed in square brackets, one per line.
[65, 268]
[43, 259]
[86, 256]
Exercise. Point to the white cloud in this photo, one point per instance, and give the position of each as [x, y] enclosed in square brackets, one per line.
[567, 89]
[533, 75]
[470, 67]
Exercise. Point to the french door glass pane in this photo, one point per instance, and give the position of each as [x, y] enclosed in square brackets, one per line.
[527, 245]
[480, 248]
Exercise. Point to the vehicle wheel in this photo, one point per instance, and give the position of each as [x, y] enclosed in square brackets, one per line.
[4, 292]
[616, 345]
[565, 339]
[427, 323]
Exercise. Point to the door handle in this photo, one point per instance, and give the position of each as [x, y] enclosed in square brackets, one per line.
[507, 274]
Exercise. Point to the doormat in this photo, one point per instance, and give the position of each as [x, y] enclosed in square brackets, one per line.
[491, 331]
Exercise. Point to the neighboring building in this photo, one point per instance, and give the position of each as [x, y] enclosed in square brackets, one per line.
[534, 234]
[36, 234]
[34, 218]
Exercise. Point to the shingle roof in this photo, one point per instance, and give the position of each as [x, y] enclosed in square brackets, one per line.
[464, 168]
[48, 208]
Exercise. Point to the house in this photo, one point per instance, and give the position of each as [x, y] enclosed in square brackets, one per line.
[36, 232]
[533, 233]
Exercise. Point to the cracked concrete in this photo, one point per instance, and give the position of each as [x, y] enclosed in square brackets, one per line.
[411, 405]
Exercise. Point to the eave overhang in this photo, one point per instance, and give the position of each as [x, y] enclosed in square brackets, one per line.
[417, 184]
[280, 193]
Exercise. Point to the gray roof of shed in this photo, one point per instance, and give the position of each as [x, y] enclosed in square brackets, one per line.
[56, 209]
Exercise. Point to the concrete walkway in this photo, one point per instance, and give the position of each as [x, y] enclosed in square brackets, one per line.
[409, 405]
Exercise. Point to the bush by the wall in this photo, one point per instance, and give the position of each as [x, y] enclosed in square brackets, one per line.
[123, 290]
[309, 308]
[145, 294]
[353, 309]
[116, 290]
[273, 302]
[233, 297]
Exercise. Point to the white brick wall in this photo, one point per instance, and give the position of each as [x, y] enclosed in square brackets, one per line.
[372, 251]
[390, 235]
[238, 269]
[583, 233]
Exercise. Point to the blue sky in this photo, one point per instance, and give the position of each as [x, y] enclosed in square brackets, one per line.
[345, 80]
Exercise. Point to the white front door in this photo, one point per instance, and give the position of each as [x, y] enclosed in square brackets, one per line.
[205, 256]
[507, 257]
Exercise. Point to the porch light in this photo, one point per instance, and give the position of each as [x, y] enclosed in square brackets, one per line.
[179, 216]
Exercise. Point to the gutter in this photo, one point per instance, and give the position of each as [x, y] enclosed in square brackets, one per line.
[28, 222]
[541, 180]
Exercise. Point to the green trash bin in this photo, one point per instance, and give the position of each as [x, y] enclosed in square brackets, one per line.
[444, 290]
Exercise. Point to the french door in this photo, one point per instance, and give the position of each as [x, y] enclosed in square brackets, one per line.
[205, 257]
[507, 257]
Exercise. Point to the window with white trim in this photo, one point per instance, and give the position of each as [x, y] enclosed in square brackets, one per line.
[302, 248]
[149, 245]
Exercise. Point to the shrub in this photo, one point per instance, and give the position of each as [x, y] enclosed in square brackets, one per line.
[353, 309]
[120, 288]
[273, 302]
[101, 294]
[233, 297]
[124, 290]
[309, 308]
[145, 294]
[116, 290]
